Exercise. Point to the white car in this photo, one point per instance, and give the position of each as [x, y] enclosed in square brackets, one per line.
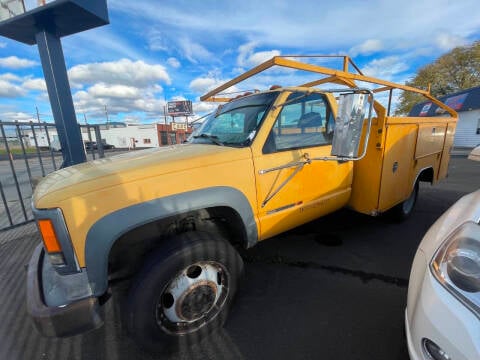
[475, 154]
[442, 318]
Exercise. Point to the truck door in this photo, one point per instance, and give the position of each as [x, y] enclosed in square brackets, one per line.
[292, 189]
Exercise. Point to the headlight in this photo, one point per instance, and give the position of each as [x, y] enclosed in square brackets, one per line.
[456, 265]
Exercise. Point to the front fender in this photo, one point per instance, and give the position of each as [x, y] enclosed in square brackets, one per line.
[103, 234]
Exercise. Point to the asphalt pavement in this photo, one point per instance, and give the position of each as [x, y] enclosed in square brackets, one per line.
[332, 289]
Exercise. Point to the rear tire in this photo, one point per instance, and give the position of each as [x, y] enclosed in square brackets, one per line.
[183, 292]
[403, 210]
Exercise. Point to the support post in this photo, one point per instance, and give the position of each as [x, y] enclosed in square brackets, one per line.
[55, 72]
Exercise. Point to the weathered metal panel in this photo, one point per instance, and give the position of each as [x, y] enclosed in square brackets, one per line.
[396, 181]
[430, 139]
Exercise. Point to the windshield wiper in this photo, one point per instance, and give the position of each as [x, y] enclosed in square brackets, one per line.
[212, 138]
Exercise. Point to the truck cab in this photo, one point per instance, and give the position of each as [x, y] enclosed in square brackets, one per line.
[285, 129]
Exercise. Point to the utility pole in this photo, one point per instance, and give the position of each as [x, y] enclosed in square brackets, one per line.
[38, 114]
[106, 114]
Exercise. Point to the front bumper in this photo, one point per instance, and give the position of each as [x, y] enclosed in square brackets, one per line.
[69, 317]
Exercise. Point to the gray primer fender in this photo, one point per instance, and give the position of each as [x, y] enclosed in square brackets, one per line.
[103, 234]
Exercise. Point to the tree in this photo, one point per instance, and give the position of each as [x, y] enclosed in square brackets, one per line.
[456, 70]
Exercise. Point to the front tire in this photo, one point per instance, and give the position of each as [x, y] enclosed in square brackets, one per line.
[183, 292]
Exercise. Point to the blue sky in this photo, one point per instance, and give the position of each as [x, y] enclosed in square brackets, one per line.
[157, 50]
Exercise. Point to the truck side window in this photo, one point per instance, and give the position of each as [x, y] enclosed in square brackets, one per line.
[303, 123]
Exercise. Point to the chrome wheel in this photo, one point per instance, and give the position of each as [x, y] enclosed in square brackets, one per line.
[193, 297]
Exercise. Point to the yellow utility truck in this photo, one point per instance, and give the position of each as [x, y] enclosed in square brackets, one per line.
[170, 219]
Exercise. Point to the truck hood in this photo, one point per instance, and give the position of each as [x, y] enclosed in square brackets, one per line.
[99, 174]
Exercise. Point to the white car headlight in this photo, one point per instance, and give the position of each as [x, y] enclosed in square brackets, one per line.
[456, 265]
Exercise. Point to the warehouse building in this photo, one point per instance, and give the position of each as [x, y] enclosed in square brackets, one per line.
[121, 135]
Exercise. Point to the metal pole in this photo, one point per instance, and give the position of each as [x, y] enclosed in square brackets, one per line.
[55, 71]
[38, 150]
[7, 210]
[50, 147]
[38, 114]
[106, 114]
[98, 136]
[389, 102]
[27, 165]
[15, 178]
[91, 142]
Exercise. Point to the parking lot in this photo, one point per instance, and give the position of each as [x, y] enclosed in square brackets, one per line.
[332, 289]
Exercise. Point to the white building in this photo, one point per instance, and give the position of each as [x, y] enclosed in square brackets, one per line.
[120, 135]
[467, 104]
[126, 135]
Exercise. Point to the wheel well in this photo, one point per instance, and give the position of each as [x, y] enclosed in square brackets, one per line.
[128, 252]
[426, 175]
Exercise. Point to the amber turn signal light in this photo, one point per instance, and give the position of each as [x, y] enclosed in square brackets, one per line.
[49, 237]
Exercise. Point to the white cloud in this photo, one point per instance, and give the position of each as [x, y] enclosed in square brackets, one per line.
[9, 90]
[248, 58]
[447, 42]
[124, 86]
[193, 51]
[173, 62]
[368, 47]
[102, 90]
[203, 84]
[262, 56]
[13, 62]
[385, 68]
[121, 72]
[157, 41]
[118, 99]
[10, 77]
[17, 116]
[35, 84]
[203, 107]
[149, 105]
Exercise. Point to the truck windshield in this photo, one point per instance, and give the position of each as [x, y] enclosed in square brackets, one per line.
[235, 123]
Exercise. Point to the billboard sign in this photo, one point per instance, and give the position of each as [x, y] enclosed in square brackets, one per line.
[11, 8]
[179, 108]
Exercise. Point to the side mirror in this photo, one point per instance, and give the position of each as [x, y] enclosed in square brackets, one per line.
[349, 123]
